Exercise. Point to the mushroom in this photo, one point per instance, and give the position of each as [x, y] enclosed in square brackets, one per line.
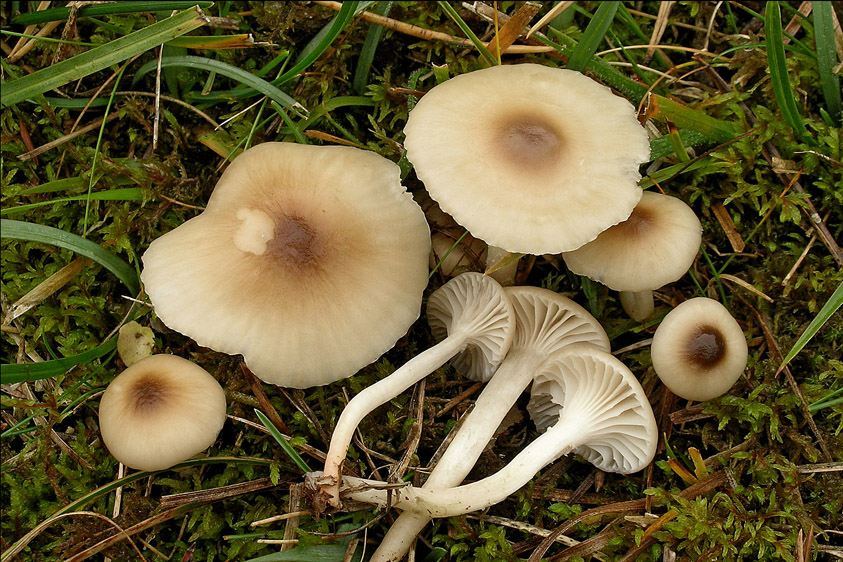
[545, 322]
[529, 158]
[653, 247]
[473, 318]
[699, 350]
[161, 411]
[310, 261]
[587, 402]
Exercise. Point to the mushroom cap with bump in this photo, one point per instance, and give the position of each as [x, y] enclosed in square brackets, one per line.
[161, 411]
[699, 350]
[310, 261]
[655, 246]
[529, 158]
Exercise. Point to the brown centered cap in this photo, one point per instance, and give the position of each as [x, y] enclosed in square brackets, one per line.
[699, 350]
[653, 247]
[161, 411]
[310, 261]
[529, 158]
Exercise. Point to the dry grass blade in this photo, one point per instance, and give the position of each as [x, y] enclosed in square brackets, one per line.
[46, 288]
[728, 226]
[513, 28]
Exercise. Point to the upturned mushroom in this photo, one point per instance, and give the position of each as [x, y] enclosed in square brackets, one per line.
[587, 402]
[161, 411]
[529, 158]
[310, 261]
[699, 350]
[655, 246]
[473, 319]
[545, 322]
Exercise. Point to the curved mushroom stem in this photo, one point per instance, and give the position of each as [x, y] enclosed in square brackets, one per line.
[505, 273]
[499, 395]
[557, 441]
[370, 398]
[638, 304]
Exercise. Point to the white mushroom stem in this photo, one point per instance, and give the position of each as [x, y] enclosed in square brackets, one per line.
[559, 440]
[497, 398]
[545, 321]
[379, 393]
[469, 314]
[638, 304]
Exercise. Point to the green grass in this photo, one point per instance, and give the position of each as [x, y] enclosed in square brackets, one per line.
[314, 75]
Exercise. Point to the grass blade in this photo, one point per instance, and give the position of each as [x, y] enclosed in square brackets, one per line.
[321, 42]
[685, 117]
[285, 445]
[19, 230]
[367, 51]
[829, 308]
[97, 59]
[592, 37]
[455, 16]
[28, 372]
[120, 194]
[778, 70]
[827, 59]
[225, 69]
[105, 9]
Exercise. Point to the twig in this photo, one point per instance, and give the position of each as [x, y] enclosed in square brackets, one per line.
[263, 400]
[215, 494]
[799, 260]
[68, 137]
[413, 439]
[458, 399]
[429, 35]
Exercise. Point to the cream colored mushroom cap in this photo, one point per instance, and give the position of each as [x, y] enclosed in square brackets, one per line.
[161, 411]
[699, 350]
[310, 261]
[655, 246]
[529, 158]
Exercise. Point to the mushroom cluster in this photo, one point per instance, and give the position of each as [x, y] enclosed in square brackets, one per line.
[311, 262]
[526, 172]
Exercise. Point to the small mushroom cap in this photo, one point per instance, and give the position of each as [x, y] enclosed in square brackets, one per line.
[529, 158]
[590, 389]
[546, 321]
[161, 411]
[653, 247]
[310, 261]
[699, 350]
[476, 305]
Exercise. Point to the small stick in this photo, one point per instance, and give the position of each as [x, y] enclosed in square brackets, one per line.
[429, 35]
[802, 256]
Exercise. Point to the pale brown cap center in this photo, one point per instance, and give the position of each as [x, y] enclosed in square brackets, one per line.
[149, 393]
[528, 141]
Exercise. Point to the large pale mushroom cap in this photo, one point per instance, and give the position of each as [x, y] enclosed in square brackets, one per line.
[309, 261]
[161, 411]
[699, 349]
[529, 158]
[653, 247]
